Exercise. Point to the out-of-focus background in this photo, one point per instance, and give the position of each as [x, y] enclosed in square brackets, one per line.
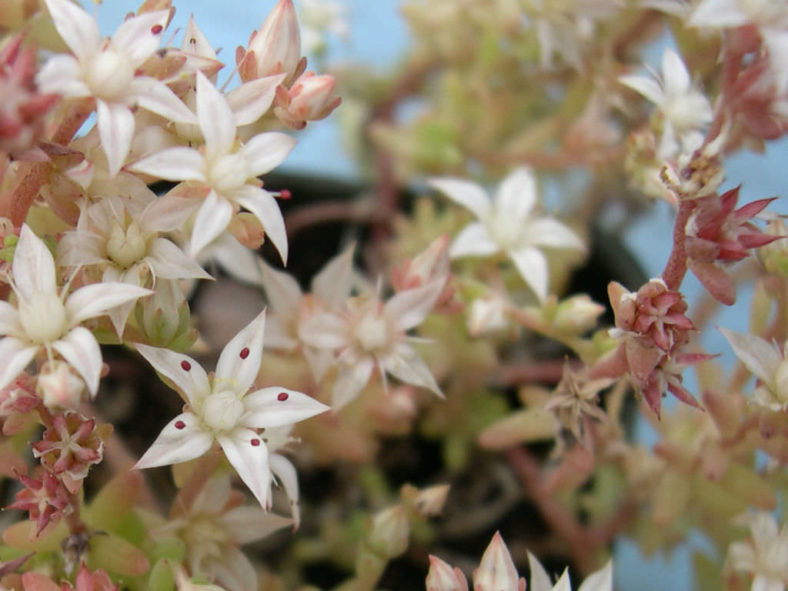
[377, 36]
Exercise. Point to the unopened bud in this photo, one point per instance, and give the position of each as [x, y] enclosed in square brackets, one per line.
[442, 577]
[487, 315]
[276, 47]
[774, 255]
[426, 502]
[59, 386]
[577, 314]
[311, 98]
[390, 532]
[496, 570]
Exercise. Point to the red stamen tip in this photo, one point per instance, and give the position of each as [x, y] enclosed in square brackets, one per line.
[244, 352]
[185, 365]
[282, 396]
[156, 29]
[180, 425]
[255, 442]
[285, 194]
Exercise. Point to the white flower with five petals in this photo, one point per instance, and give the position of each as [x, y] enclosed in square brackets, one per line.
[507, 224]
[228, 170]
[43, 318]
[221, 409]
[763, 555]
[106, 70]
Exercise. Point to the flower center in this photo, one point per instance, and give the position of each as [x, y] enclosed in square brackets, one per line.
[227, 173]
[108, 74]
[372, 333]
[128, 246]
[43, 318]
[505, 229]
[222, 411]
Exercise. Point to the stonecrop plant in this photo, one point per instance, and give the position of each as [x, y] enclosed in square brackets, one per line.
[441, 394]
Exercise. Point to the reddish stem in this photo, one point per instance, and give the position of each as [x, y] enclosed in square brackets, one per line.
[676, 267]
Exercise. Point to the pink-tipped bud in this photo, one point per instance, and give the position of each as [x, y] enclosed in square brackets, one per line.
[60, 387]
[390, 532]
[496, 570]
[442, 577]
[276, 47]
[310, 98]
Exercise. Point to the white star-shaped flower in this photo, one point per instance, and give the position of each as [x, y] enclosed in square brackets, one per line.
[685, 108]
[228, 169]
[763, 555]
[43, 318]
[107, 71]
[507, 224]
[221, 409]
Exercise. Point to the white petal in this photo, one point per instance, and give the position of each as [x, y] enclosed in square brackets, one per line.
[240, 359]
[563, 584]
[646, 86]
[351, 379]
[718, 14]
[14, 357]
[540, 581]
[277, 407]
[675, 75]
[601, 580]
[116, 128]
[195, 42]
[532, 266]
[211, 220]
[232, 570]
[62, 74]
[281, 290]
[249, 524]
[552, 234]
[9, 320]
[94, 300]
[183, 371]
[266, 151]
[170, 262]
[216, 119]
[80, 349]
[406, 365]
[135, 37]
[285, 473]
[33, 267]
[235, 258]
[333, 284]
[516, 195]
[76, 27]
[265, 209]
[173, 164]
[758, 355]
[181, 440]
[469, 195]
[278, 336]
[155, 96]
[324, 331]
[250, 461]
[167, 213]
[473, 240]
[251, 100]
[409, 308]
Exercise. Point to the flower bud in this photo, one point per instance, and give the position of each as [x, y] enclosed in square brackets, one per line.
[310, 98]
[442, 577]
[496, 570]
[487, 315]
[276, 47]
[774, 255]
[390, 532]
[577, 314]
[59, 386]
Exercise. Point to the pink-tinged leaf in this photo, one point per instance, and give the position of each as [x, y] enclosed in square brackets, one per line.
[532, 265]
[136, 38]
[601, 580]
[95, 299]
[155, 96]
[752, 209]
[248, 454]
[325, 331]
[33, 267]
[550, 233]
[759, 356]
[80, 349]
[183, 371]
[115, 500]
[464, 193]
[37, 582]
[442, 577]
[11, 463]
[276, 407]
[407, 309]
[333, 284]
[76, 27]
[116, 128]
[22, 536]
[211, 220]
[642, 358]
[351, 379]
[181, 440]
[15, 355]
[264, 207]
[715, 280]
[240, 360]
[116, 555]
[167, 261]
[496, 569]
[473, 240]
[406, 365]
[12, 565]
[266, 151]
[217, 121]
[516, 195]
[251, 100]
[285, 474]
[249, 524]
[62, 74]
[281, 290]
[173, 164]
